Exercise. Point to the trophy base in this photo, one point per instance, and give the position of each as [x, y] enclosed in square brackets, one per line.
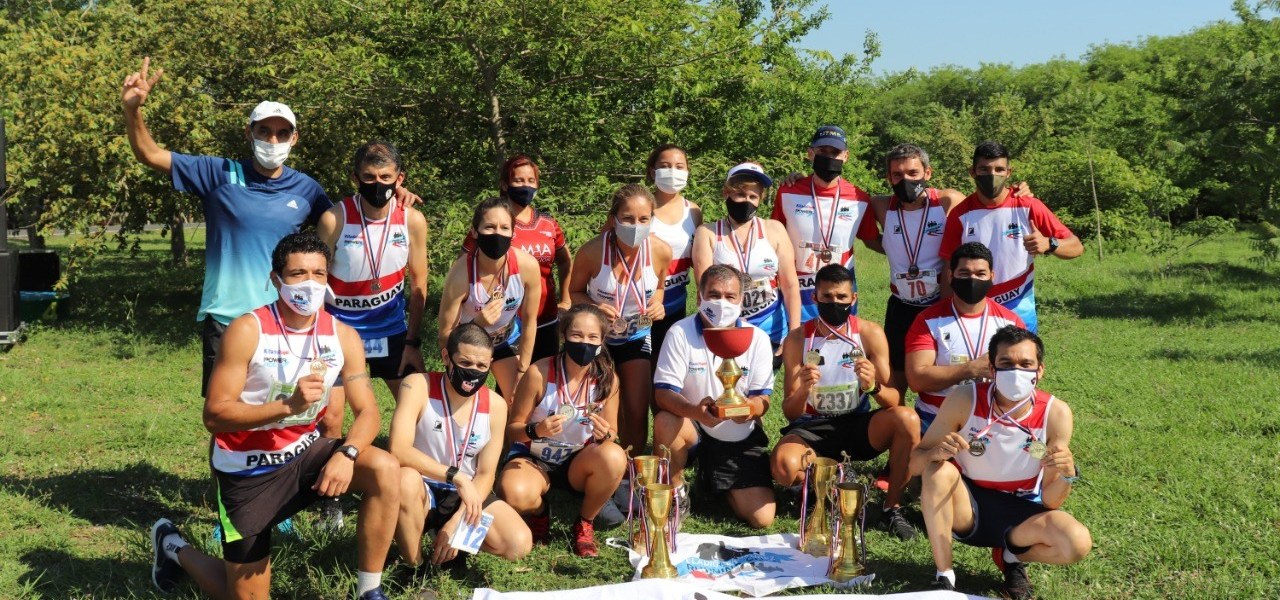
[818, 546]
[843, 575]
[733, 411]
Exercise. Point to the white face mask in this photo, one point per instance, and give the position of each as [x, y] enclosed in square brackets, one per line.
[670, 181]
[304, 298]
[1016, 384]
[631, 234]
[720, 313]
[269, 155]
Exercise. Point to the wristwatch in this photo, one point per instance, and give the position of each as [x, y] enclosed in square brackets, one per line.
[531, 430]
[349, 451]
[1053, 245]
[449, 474]
[873, 390]
[413, 342]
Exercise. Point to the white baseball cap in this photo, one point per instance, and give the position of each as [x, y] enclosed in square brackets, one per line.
[752, 169]
[268, 109]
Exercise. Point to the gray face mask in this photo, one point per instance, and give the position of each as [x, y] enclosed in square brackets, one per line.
[631, 234]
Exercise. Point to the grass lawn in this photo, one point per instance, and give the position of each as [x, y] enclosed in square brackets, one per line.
[1171, 367]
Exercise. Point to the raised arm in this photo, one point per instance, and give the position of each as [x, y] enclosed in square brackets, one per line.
[137, 86]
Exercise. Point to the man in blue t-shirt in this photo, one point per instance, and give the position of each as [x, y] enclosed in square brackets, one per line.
[249, 205]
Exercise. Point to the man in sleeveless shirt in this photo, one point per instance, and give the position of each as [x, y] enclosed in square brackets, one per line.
[268, 457]
[835, 365]
[996, 467]
[1015, 228]
[946, 345]
[375, 240]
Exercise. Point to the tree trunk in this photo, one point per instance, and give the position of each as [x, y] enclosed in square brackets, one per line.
[496, 135]
[177, 239]
[34, 239]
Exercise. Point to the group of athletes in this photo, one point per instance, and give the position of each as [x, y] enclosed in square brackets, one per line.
[305, 300]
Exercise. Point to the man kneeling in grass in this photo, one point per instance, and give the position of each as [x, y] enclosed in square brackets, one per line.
[267, 396]
[996, 469]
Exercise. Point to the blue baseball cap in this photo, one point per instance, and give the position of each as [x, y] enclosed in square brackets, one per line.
[829, 135]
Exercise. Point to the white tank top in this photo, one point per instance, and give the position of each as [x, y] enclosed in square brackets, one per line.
[604, 287]
[478, 295]
[445, 440]
[757, 259]
[680, 238]
[577, 430]
[923, 230]
[1006, 463]
[282, 357]
[838, 391]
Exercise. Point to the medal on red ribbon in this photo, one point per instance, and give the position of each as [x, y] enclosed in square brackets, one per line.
[826, 231]
[913, 250]
[375, 259]
[457, 450]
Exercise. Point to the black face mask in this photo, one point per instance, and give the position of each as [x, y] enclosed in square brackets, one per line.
[493, 245]
[377, 193]
[581, 353]
[969, 289]
[740, 212]
[990, 185]
[521, 195]
[907, 190]
[827, 168]
[466, 381]
[834, 313]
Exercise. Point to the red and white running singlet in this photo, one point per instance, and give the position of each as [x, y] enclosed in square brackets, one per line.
[511, 288]
[448, 441]
[282, 357]
[1000, 228]
[956, 340]
[541, 238]
[838, 391]
[370, 254]
[816, 218]
[914, 239]
[1006, 463]
[680, 238]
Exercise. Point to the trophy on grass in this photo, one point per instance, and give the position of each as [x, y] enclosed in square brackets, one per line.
[850, 545]
[645, 470]
[729, 343]
[658, 499]
[815, 528]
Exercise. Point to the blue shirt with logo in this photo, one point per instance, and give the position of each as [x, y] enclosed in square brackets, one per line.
[246, 214]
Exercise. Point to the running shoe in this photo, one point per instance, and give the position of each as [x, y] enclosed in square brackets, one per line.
[165, 572]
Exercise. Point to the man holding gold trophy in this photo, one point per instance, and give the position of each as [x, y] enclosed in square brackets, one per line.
[996, 467]
[698, 417]
[836, 365]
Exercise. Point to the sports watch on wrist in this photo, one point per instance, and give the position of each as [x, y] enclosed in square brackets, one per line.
[349, 451]
[1053, 245]
[413, 342]
[531, 430]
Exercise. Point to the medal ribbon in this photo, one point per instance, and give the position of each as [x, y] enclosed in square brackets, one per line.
[744, 258]
[913, 250]
[455, 452]
[375, 264]
[313, 337]
[501, 278]
[973, 349]
[1004, 417]
[633, 287]
[562, 386]
[825, 232]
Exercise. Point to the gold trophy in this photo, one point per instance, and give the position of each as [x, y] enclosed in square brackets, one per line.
[817, 530]
[647, 469]
[846, 560]
[729, 343]
[658, 498]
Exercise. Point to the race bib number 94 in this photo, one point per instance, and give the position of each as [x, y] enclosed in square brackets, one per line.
[835, 400]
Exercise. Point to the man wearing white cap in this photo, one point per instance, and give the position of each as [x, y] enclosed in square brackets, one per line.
[248, 205]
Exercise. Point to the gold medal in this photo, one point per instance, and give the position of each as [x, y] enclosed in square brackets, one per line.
[644, 322]
[812, 358]
[318, 368]
[497, 295]
[977, 447]
[1037, 449]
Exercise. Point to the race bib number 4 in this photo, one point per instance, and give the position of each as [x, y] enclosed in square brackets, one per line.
[375, 348]
[835, 400]
[468, 538]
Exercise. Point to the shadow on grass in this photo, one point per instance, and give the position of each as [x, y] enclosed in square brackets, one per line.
[125, 497]
[1266, 358]
[58, 574]
[1241, 277]
[1161, 308]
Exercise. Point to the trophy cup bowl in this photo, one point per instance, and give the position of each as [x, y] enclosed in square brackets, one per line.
[817, 530]
[658, 498]
[729, 343]
[646, 473]
[846, 563]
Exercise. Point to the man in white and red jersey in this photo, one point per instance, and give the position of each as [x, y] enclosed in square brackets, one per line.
[823, 214]
[1015, 228]
[996, 468]
[268, 393]
[946, 344]
[375, 240]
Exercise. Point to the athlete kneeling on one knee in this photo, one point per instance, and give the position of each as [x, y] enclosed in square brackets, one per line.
[562, 430]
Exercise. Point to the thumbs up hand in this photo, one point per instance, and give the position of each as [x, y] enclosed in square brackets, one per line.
[1035, 242]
